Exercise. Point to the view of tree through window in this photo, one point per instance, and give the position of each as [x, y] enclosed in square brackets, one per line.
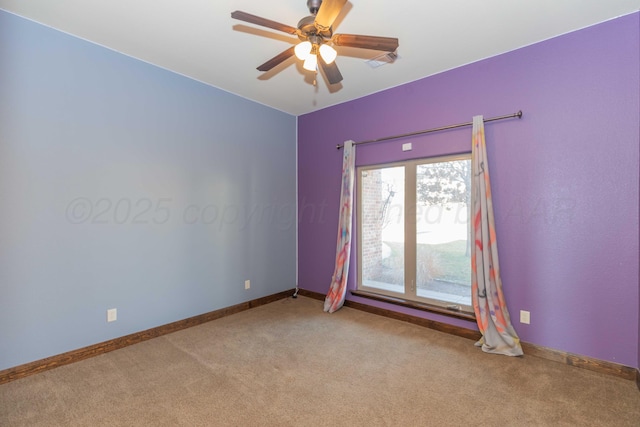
[414, 230]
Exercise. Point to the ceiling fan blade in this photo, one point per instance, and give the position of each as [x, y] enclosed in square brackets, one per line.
[388, 44]
[253, 19]
[331, 71]
[281, 57]
[328, 12]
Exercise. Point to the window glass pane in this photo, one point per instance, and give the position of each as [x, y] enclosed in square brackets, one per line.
[382, 228]
[443, 263]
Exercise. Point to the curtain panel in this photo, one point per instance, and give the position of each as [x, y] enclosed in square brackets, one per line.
[338, 289]
[498, 335]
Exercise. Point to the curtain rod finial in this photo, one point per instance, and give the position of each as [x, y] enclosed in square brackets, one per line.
[519, 114]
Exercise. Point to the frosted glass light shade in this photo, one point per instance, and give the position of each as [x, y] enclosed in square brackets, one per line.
[303, 50]
[328, 53]
[310, 63]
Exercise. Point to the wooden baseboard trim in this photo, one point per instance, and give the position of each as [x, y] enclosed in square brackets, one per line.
[431, 324]
[583, 362]
[69, 357]
[416, 305]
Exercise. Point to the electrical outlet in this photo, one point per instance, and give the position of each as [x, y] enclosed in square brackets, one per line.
[112, 315]
[525, 317]
[247, 284]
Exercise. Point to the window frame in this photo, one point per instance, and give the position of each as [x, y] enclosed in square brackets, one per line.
[409, 296]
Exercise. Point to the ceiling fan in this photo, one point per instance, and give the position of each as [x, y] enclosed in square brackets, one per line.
[316, 33]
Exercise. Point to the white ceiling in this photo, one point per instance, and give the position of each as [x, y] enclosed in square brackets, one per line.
[199, 39]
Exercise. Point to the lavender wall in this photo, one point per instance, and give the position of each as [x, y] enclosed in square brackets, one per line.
[565, 179]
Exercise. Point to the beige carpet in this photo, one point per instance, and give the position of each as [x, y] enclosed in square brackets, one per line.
[290, 364]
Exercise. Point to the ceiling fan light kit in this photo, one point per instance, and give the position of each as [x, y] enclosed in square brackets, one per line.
[328, 53]
[316, 35]
[311, 63]
[303, 50]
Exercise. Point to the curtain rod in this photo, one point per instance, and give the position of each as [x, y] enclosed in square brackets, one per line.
[420, 132]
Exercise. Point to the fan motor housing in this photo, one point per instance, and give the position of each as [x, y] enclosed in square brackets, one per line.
[307, 28]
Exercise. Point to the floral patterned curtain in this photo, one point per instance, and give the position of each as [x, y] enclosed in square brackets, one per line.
[338, 289]
[498, 335]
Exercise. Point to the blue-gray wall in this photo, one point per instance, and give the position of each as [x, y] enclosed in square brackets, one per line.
[125, 186]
